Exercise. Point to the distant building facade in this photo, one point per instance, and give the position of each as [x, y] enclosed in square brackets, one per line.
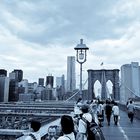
[60, 87]
[71, 80]
[32, 87]
[15, 77]
[4, 88]
[26, 97]
[49, 81]
[3, 72]
[23, 86]
[41, 81]
[130, 81]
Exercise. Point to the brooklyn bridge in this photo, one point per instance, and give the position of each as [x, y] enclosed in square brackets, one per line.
[15, 117]
[15, 120]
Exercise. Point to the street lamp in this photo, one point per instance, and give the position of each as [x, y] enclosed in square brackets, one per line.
[81, 55]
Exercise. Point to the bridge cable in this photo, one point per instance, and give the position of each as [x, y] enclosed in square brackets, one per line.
[77, 91]
[129, 89]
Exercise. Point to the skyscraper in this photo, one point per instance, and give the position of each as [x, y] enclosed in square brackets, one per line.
[130, 81]
[41, 81]
[71, 81]
[3, 72]
[4, 88]
[49, 81]
[60, 86]
[15, 77]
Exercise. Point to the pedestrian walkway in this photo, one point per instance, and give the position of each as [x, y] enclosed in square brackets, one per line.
[125, 129]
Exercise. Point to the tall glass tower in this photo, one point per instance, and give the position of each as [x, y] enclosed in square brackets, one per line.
[71, 80]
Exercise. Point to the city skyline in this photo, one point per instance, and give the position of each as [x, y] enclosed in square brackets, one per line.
[37, 36]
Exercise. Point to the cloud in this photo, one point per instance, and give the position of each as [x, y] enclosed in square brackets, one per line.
[49, 21]
[37, 36]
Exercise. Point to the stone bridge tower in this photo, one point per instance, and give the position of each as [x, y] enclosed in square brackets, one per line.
[103, 76]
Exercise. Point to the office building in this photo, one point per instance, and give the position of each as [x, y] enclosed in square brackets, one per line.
[130, 81]
[41, 81]
[49, 81]
[23, 86]
[15, 77]
[26, 97]
[4, 89]
[58, 81]
[71, 80]
[3, 72]
[60, 87]
[32, 87]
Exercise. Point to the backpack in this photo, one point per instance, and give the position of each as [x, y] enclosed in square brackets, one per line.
[68, 137]
[94, 132]
[32, 136]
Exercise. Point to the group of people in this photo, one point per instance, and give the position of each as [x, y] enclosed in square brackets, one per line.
[74, 127]
[84, 113]
[111, 108]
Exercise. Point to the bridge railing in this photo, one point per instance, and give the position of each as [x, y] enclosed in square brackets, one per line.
[43, 130]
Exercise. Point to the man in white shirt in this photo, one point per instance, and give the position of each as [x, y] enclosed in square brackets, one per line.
[115, 110]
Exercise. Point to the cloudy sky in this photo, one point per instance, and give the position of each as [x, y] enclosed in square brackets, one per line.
[38, 35]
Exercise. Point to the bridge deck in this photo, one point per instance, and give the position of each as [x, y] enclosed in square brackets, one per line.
[124, 131]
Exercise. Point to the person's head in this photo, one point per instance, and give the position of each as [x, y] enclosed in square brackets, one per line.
[52, 131]
[79, 100]
[115, 103]
[85, 108]
[35, 125]
[130, 101]
[67, 124]
[107, 102]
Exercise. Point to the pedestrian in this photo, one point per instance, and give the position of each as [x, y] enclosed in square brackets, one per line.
[67, 126]
[108, 111]
[93, 111]
[77, 108]
[100, 113]
[34, 131]
[82, 124]
[115, 111]
[130, 111]
[51, 133]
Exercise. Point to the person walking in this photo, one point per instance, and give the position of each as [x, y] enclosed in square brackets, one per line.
[77, 108]
[115, 111]
[108, 111]
[82, 127]
[67, 126]
[100, 113]
[130, 111]
[93, 110]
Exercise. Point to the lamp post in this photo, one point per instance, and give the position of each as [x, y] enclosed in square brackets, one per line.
[81, 56]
